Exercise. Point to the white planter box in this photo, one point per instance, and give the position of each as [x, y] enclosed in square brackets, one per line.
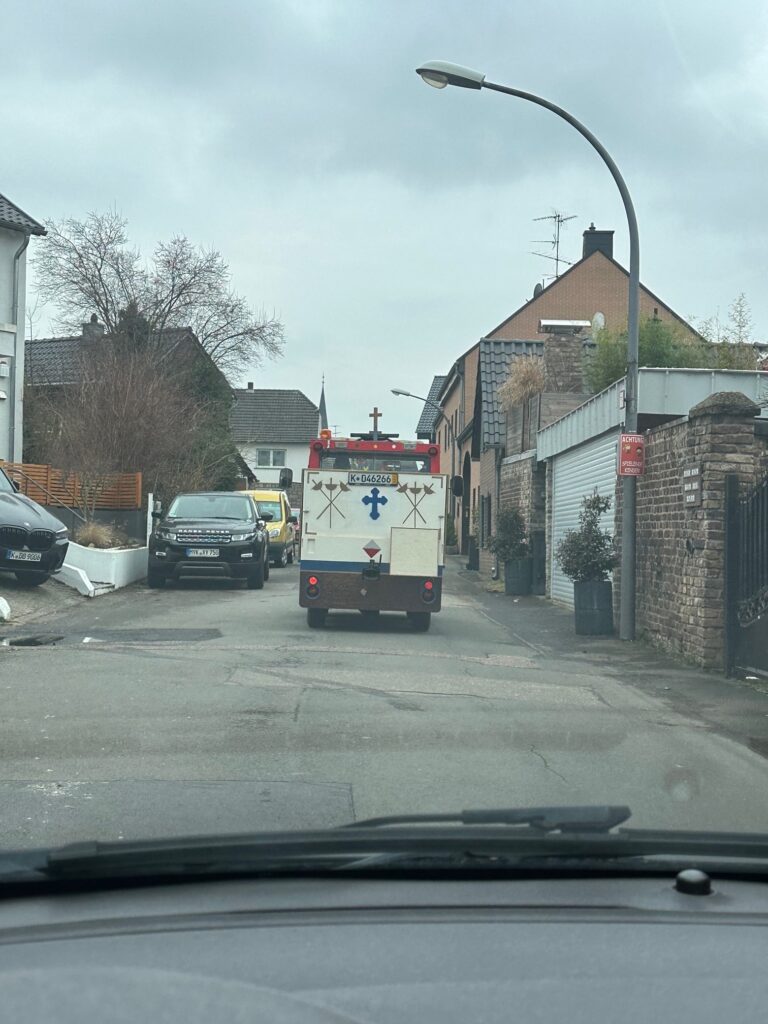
[94, 571]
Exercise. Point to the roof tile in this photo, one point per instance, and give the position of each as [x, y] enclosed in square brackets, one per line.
[14, 218]
[429, 414]
[273, 416]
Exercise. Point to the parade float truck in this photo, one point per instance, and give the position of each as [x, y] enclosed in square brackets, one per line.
[373, 527]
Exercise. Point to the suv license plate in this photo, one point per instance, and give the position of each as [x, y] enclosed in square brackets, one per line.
[25, 556]
[202, 552]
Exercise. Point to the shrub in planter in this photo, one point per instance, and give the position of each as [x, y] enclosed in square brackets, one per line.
[587, 556]
[510, 545]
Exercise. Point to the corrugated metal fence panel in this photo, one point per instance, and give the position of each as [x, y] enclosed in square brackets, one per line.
[576, 473]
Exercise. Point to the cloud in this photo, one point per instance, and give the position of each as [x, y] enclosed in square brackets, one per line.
[376, 215]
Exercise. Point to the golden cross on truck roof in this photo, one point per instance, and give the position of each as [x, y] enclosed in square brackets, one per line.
[375, 416]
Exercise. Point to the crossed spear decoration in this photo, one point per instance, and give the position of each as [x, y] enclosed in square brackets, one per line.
[331, 488]
[412, 493]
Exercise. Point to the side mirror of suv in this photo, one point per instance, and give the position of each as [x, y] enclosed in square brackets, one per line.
[157, 511]
[267, 517]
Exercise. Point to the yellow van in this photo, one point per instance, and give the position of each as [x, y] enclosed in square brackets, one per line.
[281, 534]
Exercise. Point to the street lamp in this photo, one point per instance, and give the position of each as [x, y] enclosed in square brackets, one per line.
[439, 74]
[451, 435]
[428, 401]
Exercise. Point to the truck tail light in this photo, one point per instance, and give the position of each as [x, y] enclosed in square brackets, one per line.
[428, 591]
[313, 586]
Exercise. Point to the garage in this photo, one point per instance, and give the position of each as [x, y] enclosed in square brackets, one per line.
[576, 473]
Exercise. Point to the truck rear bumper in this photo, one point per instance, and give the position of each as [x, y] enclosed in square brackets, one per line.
[381, 593]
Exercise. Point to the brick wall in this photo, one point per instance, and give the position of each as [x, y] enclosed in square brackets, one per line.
[681, 550]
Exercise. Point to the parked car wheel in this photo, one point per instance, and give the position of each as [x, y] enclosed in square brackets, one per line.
[316, 617]
[31, 579]
[255, 579]
[266, 568]
[155, 580]
[282, 560]
[291, 556]
[420, 621]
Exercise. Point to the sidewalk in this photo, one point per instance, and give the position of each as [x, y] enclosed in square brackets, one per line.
[735, 708]
[31, 603]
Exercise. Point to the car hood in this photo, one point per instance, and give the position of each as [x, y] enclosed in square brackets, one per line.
[233, 525]
[18, 510]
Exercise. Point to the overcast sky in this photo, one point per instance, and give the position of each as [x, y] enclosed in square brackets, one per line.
[389, 225]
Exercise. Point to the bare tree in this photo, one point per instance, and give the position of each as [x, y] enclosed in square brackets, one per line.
[89, 266]
[739, 328]
[128, 415]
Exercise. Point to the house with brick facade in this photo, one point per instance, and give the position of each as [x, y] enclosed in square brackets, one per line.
[593, 291]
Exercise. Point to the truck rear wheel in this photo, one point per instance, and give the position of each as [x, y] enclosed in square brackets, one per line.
[420, 621]
[316, 617]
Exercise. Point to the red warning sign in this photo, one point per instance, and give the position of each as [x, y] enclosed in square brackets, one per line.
[371, 549]
[631, 455]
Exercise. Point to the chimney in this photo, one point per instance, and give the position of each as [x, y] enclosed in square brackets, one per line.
[597, 241]
[250, 385]
[93, 330]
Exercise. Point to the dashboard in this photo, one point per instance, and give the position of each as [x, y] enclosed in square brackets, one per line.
[315, 950]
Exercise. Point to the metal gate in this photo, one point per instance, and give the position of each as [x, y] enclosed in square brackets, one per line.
[746, 572]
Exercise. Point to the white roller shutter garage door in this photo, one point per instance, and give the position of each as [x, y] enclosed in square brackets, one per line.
[576, 473]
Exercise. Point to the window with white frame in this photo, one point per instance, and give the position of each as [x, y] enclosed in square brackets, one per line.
[270, 457]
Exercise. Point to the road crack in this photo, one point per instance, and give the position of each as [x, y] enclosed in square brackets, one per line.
[547, 764]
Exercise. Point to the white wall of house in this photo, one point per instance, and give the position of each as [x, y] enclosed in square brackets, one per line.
[11, 347]
[296, 457]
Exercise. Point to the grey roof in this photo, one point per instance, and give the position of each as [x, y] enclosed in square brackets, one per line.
[52, 360]
[14, 218]
[429, 415]
[494, 360]
[57, 360]
[267, 416]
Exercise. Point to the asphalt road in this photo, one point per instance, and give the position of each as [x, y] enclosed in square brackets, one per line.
[210, 708]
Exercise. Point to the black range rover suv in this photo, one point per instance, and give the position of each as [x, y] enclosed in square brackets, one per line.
[210, 535]
[33, 543]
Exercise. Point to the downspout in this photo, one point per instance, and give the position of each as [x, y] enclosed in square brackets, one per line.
[14, 366]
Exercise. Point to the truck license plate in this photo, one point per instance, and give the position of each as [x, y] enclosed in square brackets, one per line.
[373, 479]
[202, 552]
[25, 556]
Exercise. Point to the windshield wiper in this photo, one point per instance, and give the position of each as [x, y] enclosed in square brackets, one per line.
[600, 818]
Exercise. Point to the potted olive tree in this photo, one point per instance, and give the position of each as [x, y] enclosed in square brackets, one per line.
[587, 556]
[510, 545]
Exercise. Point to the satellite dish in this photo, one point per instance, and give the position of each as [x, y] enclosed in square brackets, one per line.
[538, 289]
[598, 322]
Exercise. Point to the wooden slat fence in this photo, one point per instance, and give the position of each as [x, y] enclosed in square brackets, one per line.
[50, 486]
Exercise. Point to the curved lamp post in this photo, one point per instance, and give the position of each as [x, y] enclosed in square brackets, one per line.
[440, 74]
[451, 435]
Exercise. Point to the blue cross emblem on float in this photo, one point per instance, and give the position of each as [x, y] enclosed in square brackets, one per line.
[374, 499]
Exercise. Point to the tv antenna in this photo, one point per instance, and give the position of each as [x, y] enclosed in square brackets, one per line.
[558, 219]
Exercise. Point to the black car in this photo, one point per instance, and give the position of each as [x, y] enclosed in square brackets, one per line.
[33, 543]
[210, 535]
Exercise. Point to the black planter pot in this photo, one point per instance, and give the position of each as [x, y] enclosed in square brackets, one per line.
[593, 605]
[518, 575]
[473, 554]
